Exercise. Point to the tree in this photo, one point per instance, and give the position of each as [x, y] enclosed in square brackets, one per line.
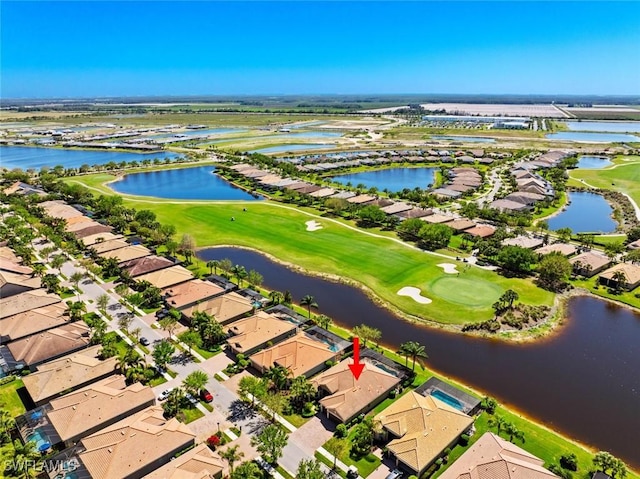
[213, 266]
[231, 455]
[191, 338]
[410, 229]
[98, 331]
[174, 402]
[276, 297]
[102, 302]
[275, 402]
[278, 376]
[569, 461]
[434, 236]
[310, 302]
[498, 422]
[564, 234]
[516, 258]
[76, 310]
[162, 353]
[508, 298]
[168, 324]
[57, 261]
[254, 278]
[226, 265]
[252, 386]
[38, 269]
[633, 256]
[124, 322]
[415, 350]
[366, 333]
[336, 447]
[211, 331]
[604, 461]
[309, 469]
[136, 332]
[404, 351]
[194, 382]
[270, 443]
[323, 321]
[513, 432]
[51, 283]
[287, 297]
[620, 280]
[172, 247]
[554, 271]
[301, 392]
[26, 457]
[612, 250]
[370, 216]
[187, 246]
[75, 279]
[247, 470]
[240, 273]
[618, 469]
[362, 438]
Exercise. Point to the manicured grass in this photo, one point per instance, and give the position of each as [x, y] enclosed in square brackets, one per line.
[206, 353]
[207, 406]
[381, 264]
[623, 176]
[365, 464]
[191, 414]
[9, 398]
[157, 381]
[296, 420]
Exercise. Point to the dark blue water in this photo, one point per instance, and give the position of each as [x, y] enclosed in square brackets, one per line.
[592, 137]
[26, 157]
[587, 213]
[605, 126]
[593, 162]
[196, 183]
[393, 179]
[583, 381]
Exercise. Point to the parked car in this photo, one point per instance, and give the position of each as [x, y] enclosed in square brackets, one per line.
[395, 474]
[352, 472]
[144, 341]
[164, 395]
[206, 396]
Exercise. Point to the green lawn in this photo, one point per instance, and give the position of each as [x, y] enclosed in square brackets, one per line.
[381, 264]
[366, 464]
[623, 176]
[190, 414]
[9, 398]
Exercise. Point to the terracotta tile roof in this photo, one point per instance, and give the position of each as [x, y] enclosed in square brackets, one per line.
[8, 254]
[146, 264]
[14, 266]
[437, 218]
[127, 253]
[631, 272]
[26, 301]
[461, 224]
[96, 238]
[133, 444]
[77, 219]
[361, 199]
[199, 463]
[495, 458]
[189, 292]
[109, 245]
[300, 354]
[67, 372]
[21, 280]
[423, 426]
[594, 260]
[223, 308]
[348, 397]
[34, 321]
[523, 242]
[92, 230]
[100, 404]
[166, 277]
[39, 347]
[562, 248]
[251, 332]
[482, 231]
[81, 225]
[59, 209]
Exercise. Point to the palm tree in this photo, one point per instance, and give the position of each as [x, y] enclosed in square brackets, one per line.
[231, 455]
[301, 391]
[513, 431]
[276, 297]
[404, 351]
[323, 321]
[102, 302]
[162, 353]
[247, 470]
[510, 296]
[310, 302]
[168, 324]
[240, 273]
[194, 382]
[415, 350]
[38, 269]
[620, 279]
[213, 266]
[26, 454]
[498, 422]
[57, 261]
[75, 279]
[76, 309]
[278, 375]
[336, 447]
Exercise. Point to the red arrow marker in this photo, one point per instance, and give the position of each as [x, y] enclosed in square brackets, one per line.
[357, 366]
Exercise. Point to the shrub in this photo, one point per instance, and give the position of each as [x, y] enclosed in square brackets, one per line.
[464, 439]
[569, 461]
[341, 431]
[489, 404]
[213, 441]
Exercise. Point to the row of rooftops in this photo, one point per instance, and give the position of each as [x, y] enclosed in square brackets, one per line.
[461, 181]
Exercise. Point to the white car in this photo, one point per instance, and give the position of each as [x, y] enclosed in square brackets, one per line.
[164, 395]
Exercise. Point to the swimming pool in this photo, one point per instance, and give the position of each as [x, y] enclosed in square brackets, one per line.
[39, 438]
[445, 398]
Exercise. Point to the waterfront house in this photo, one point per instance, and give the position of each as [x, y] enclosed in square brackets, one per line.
[92, 230]
[589, 263]
[190, 292]
[257, 331]
[508, 206]
[450, 394]
[481, 231]
[420, 429]
[99, 238]
[166, 277]
[109, 245]
[225, 308]
[629, 271]
[126, 253]
[564, 249]
[496, 458]
[67, 374]
[523, 242]
[146, 264]
[198, 463]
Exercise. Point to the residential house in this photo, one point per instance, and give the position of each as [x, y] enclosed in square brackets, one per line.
[629, 271]
[198, 463]
[421, 428]
[126, 253]
[496, 458]
[110, 245]
[15, 283]
[166, 277]
[481, 231]
[20, 303]
[589, 263]
[33, 321]
[257, 331]
[99, 238]
[189, 293]
[225, 308]
[146, 264]
[344, 398]
[67, 374]
[564, 249]
[523, 242]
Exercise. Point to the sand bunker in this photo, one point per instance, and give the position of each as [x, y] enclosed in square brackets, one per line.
[313, 225]
[449, 268]
[413, 293]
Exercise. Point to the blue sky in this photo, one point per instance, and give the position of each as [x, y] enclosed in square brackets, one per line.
[90, 48]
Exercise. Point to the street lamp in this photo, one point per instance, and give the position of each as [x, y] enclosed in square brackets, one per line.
[218, 427]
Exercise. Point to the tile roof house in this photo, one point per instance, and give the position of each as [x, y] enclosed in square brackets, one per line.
[126, 253]
[199, 463]
[589, 263]
[92, 230]
[631, 274]
[421, 428]
[190, 292]
[146, 264]
[166, 277]
[68, 373]
[109, 245]
[26, 301]
[495, 458]
[344, 397]
[13, 283]
[564, 249]
[50, 344]
[32, 322]
[135, 446]
[99, 237]
[225, 308]
[523, 242]
[59, 209]
[13, 266]
[252, 333]
[481, 231]
[80, 223]
[302, 354]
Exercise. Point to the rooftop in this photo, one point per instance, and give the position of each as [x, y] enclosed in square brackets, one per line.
[591, 260]
[31, 322]
[23, 281]
[189, 292]
[199, 463]
[146, 264]
[562, 248]
[467, 402]
[98, 237]
[26, 301]
[631, 272]
[495, 458]
[126, 253]
[523, 242]
[223, 308]
[14, 266]
[249, 333]
[109, 245]
[166, 277]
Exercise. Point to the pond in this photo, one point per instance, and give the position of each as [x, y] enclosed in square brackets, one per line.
[468, 139]
[593, 162]
[592, 137]
[26, 157]
[582, 381]
[393, 179]
[202, 132]
[195, 183]
[587, 213]
[605, 126]
[294, 147]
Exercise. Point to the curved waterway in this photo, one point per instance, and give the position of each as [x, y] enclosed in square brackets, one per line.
[583, 381]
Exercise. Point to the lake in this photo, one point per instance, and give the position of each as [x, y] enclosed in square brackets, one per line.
[26, 157]
[213, 131]
[287, 148]
[587, 213]
[195, 183]
[393, 179]
[582, 381]
[469, 139]
[605, 126]
[592, 137]
[593, 162]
